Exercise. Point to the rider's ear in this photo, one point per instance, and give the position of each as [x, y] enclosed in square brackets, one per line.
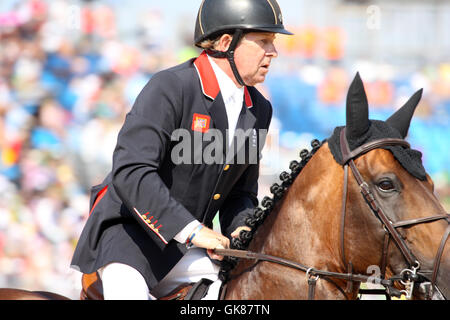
[401, 119]
[357, 109]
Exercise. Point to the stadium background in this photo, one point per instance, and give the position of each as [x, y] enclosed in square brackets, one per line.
[70, 70]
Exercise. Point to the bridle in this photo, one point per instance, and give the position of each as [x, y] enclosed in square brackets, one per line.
[408, 276]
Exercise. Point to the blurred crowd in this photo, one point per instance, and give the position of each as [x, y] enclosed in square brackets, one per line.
[66, 85]
[64, 92]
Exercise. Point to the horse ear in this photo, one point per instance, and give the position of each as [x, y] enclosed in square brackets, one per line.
[357, 109]
[401, 119]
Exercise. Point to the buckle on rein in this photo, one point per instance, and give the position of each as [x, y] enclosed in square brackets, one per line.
[411, 277]
[407, 277]
[312, 280]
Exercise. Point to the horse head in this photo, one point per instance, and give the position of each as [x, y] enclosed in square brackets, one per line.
[360, 203]
[402, 192]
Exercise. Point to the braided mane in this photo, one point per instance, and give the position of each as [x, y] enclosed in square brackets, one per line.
[257, 217]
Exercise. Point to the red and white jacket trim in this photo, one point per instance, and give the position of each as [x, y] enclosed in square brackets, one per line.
[208, 80]
[151, 224]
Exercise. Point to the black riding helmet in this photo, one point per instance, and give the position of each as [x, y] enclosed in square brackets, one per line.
[217, 17]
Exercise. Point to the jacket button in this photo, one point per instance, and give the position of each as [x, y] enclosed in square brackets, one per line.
[217, 196]
[226, 167]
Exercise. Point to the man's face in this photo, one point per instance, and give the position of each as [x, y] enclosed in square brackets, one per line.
[253, 56]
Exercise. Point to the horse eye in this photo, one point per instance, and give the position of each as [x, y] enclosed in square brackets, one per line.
[386, 185]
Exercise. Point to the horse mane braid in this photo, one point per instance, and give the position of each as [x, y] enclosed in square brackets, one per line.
[257, 217]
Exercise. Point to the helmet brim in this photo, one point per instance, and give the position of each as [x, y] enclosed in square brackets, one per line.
[245, 28]
[272, 30]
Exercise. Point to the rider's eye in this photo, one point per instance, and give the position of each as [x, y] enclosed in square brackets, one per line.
[386, 185]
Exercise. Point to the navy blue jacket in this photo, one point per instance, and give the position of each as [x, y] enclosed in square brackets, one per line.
[147, 198]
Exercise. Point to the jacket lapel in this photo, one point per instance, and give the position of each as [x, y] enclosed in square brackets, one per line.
[216, 107]
[247, 114]
[218, 113]
[211, 90]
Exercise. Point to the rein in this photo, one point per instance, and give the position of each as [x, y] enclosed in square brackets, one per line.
[407, 276]
[312, 274]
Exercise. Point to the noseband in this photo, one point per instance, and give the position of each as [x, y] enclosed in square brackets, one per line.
[390, 227]
[407, 276]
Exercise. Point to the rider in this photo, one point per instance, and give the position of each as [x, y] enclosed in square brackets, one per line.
[151, 219]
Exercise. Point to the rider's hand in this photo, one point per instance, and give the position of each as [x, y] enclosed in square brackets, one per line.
[237, 232]
[210, 240]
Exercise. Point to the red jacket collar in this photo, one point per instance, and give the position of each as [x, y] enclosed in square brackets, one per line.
[208, 80]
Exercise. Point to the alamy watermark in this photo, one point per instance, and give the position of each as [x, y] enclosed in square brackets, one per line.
[373, 17]
[73, 14]
[375, 273]
[213, 147]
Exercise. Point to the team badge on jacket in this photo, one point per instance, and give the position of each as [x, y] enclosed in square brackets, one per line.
[200, 122]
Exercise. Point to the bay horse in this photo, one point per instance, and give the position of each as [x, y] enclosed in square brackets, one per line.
[331, 228]
[358, 207]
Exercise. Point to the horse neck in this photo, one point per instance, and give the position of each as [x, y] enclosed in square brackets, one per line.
[306, 223]
[303, 227]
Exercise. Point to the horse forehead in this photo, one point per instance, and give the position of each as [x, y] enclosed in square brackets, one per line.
[381, 160]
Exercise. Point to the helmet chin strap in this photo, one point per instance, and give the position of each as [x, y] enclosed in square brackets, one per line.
[229, 54]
